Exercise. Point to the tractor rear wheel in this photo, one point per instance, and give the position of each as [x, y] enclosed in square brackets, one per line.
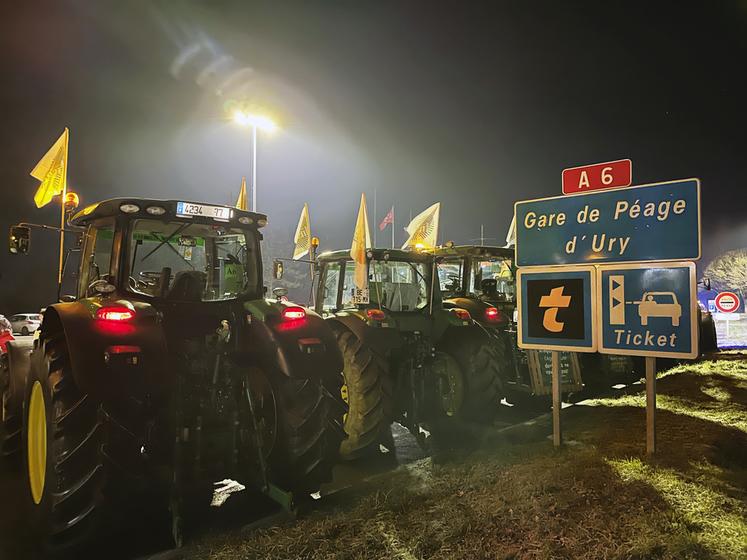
[480, 362]
[364, 374]
[308, 437]
[61, 437]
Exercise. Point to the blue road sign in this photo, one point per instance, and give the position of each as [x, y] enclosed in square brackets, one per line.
[648, 310]
[556, 308]
[617, 225]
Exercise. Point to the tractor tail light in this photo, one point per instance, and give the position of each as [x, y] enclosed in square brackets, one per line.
[463, 314]
[117, 314]
[376, 314]
[294, 313]
[493, 315]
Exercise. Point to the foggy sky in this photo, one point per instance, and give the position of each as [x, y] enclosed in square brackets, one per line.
[475, 105]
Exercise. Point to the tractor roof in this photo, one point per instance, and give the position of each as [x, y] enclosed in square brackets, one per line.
[474, 251]
[378, 254]
[113, 208]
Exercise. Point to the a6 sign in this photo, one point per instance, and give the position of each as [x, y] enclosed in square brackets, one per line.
[606, 175]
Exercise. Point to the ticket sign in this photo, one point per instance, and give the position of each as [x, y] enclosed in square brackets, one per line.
[556, 308]
[657, 222]
[648, 310]
[607, 175]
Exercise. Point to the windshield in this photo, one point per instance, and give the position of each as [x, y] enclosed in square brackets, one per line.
[393, 285]
[493, 279]
[191, 262]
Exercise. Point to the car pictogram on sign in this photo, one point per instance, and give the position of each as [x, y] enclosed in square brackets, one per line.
[727, 302]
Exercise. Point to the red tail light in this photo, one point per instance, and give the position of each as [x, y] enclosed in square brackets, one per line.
[493, 315]
[294, 313]
[118, 314]
[376, 314]
[463, 314]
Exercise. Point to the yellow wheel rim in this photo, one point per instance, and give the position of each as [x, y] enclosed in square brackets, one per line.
[37, 443]
[345, 398]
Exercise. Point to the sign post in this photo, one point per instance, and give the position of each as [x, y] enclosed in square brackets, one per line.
[556, 400]
[650, 406]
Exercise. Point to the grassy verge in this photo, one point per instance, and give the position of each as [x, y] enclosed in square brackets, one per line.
[596, 498]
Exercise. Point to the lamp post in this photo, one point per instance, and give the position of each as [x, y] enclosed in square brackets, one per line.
[255, 121]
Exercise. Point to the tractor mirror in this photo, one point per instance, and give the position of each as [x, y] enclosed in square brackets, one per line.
[707, 284]
[277, 269]
[19, 240]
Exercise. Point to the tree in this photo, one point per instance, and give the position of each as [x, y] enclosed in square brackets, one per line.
[728, 271]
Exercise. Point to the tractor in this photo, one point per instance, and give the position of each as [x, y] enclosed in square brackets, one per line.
[406, 357]
[168, 370]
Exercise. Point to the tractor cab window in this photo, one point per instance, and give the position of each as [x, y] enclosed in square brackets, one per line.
[97, 257]
[329, 286]
[493, 279]
[398, 286]
[185, 261]
[450, 276]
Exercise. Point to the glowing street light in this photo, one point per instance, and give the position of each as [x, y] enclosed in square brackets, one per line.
[256, 122]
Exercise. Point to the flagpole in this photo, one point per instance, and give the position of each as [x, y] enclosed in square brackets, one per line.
[62, 214]
[376, 218]
[392, 226]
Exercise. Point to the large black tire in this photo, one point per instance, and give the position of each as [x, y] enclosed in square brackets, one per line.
[85, 478]
[64, 489]
[480, 361]
[308, 435]
[369, 415]
[708, 342]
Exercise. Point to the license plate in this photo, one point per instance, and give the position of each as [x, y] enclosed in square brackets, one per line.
[189, 209]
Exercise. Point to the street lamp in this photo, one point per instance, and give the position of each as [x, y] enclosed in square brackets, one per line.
[255, 121]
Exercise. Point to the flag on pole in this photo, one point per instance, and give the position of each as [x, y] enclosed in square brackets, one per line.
[423, 229]
[361, 241]
[302, 239]
[241, 201]
[52, 171]
[388, 219]
[511, 235]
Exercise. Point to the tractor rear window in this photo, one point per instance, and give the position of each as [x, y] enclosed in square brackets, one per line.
[396, 286]
[185, 261]
[493, 278]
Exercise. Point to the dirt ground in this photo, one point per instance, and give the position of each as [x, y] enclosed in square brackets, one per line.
[517, 497]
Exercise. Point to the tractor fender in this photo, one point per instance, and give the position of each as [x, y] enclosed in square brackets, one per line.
[462, 335]
[382, 339]
[19, 364]
[110, 360]
[303, 348]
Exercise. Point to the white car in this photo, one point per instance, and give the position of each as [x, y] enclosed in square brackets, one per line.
[25, 323]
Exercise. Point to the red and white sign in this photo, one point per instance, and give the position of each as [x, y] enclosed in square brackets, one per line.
[727, 302]
[598, 176]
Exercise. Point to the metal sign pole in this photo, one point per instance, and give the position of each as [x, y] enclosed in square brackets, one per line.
[556, 404]
[650, 406]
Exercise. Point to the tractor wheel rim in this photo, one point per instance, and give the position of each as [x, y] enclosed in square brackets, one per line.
[345, 397]
[37, 443]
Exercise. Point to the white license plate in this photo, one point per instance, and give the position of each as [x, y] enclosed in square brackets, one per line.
[189, 209]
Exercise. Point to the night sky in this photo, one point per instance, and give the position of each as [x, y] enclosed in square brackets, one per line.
[472, 104]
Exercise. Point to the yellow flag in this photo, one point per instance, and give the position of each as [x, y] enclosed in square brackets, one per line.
[241, 201]
[302, 239]
[52, 171]
[423, 229]
[361, 241]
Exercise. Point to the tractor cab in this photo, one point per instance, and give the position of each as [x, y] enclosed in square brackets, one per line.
[480, 279]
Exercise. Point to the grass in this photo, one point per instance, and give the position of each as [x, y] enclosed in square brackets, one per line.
[598, 497]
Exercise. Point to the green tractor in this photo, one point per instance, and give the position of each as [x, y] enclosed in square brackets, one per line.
[481, 279]
[406, 357]
[167, 371]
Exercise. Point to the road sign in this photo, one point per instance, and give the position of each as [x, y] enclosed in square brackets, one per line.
[648, 310]
[607, 175]
[556, 308]
[727, 302]
[618, 225]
